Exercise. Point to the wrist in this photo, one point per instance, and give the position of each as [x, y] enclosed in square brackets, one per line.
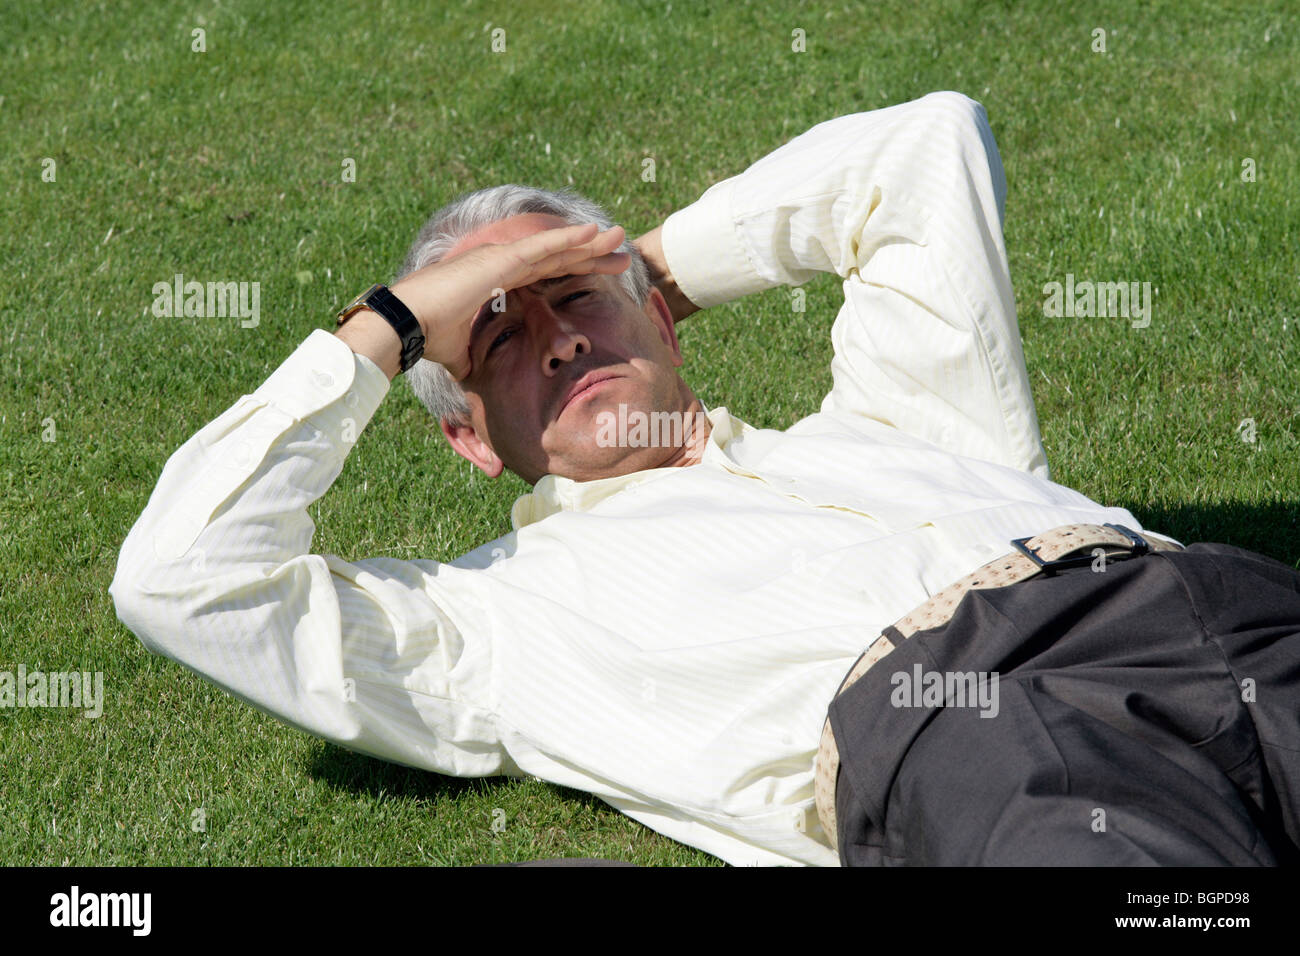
[678, 303]
[406, 294]
[381, 301]
[650, 246]
[368, 333]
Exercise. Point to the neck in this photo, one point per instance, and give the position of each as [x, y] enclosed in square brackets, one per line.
[695, 436]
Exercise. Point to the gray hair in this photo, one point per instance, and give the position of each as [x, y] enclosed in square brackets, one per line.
[431, 382]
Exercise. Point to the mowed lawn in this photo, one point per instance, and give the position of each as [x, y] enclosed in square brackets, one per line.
[1170, 159]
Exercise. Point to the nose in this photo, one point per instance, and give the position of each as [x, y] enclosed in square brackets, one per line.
[558, 337]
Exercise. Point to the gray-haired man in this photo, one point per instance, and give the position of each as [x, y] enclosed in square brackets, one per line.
[667, 625]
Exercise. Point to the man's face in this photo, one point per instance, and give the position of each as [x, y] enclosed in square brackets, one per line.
[528, 358]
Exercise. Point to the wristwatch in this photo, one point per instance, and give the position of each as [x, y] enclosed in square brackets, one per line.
[380, 299]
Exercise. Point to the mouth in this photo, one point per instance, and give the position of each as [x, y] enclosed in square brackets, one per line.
[584, 387]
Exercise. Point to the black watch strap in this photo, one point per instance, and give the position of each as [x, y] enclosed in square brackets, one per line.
[381, 300]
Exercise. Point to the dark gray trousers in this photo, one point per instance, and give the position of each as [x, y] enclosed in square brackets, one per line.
[1148, 714]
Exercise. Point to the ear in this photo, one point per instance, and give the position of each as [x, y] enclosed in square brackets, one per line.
[467, 443]
[656, 309]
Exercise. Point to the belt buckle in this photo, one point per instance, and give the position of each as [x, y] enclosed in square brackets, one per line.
[1137, 547]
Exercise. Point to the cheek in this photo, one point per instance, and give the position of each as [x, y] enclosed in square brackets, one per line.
[628, 335]
[513, 404]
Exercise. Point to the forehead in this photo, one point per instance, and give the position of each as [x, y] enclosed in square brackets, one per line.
[506, 230]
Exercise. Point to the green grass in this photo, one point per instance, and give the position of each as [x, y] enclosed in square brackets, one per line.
[226, 165]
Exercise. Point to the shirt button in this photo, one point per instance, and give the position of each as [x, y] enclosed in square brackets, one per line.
[323, 379]
[351, 399]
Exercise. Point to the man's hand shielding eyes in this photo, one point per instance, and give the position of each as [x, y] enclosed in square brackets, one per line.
[447, 295]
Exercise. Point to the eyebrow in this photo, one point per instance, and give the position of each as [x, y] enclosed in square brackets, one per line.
[486, 316]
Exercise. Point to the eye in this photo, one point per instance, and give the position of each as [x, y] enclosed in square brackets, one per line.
[505, 334]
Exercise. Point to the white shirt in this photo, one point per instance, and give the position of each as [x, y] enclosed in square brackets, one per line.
[668, 640]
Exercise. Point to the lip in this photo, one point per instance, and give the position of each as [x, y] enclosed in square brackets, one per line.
[584, 385]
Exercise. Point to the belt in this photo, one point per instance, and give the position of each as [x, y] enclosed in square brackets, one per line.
[1046, 553]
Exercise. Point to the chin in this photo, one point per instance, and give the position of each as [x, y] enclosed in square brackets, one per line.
[594, 462]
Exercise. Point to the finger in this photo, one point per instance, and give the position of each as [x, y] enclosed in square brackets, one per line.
[576, 260]
[609, 264]
[546, 243]
[572, 244]
[606, 242]
[563, 251]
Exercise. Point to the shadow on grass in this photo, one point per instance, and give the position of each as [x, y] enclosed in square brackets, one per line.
[358, 773]
[347, 770]
[1271, 529]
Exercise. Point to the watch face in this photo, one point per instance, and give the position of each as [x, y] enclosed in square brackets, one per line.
[356, 304]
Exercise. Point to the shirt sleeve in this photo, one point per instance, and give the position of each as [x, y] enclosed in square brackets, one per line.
[905, 204]
[382, 656]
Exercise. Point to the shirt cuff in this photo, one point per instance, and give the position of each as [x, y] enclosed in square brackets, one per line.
[328, 384]
[705, 253]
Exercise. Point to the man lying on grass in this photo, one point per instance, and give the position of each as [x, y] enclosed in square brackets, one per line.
[670, 624]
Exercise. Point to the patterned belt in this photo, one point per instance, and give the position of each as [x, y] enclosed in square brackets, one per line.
[1043, 554]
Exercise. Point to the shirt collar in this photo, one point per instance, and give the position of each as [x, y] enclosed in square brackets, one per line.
[554, 493]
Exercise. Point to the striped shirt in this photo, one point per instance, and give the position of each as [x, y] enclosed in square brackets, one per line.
[669, 639]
